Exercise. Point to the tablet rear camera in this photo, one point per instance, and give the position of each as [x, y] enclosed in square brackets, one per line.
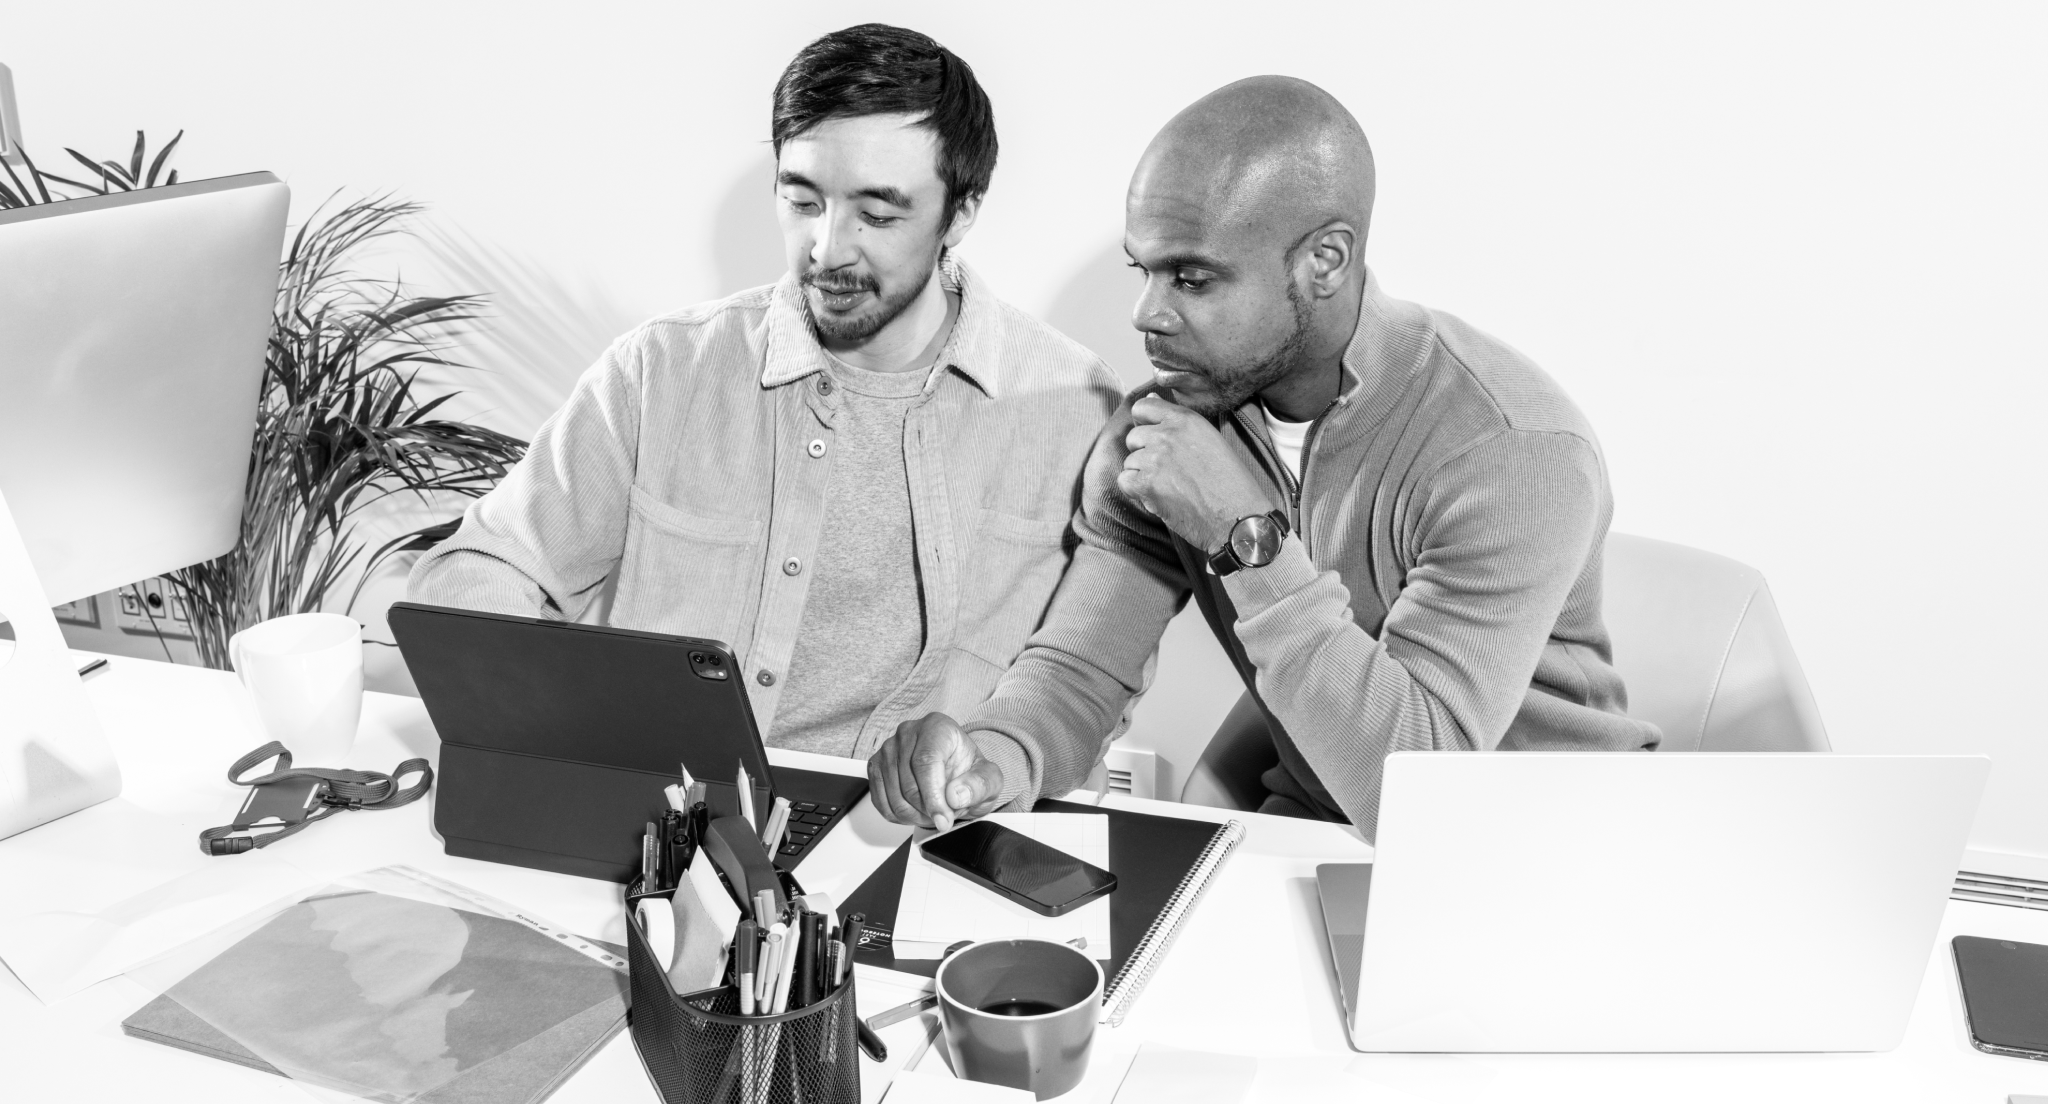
[709, 665]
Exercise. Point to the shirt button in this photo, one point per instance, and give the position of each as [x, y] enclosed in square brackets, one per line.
[816, 449]
[792, 566]
[824, 385]
[765, 677]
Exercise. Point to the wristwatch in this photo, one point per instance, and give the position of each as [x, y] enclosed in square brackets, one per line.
[1253, 542]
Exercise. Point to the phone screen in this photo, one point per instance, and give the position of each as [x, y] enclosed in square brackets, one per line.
[2005, 994]
[1016, 862]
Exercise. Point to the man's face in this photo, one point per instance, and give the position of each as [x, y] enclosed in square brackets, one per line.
[1220, 312]
[863, 220]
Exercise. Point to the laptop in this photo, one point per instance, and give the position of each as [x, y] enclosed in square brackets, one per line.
[558, 739]
[1600, 902]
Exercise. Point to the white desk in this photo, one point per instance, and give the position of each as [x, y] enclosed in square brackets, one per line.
[1250, 974]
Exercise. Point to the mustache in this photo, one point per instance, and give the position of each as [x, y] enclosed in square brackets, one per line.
[832, 283]
[1155, 351]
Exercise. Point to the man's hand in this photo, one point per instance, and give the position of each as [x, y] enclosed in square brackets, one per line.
[930, 773]
[1182, 472]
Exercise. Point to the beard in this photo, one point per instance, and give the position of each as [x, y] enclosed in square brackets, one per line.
[861, 325]
[1230, 388]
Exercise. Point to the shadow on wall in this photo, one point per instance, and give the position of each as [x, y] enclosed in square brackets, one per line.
[1195, 685]
[1095, 309]
[746, 242]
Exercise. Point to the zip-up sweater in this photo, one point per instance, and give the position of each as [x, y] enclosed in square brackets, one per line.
[1440, 588]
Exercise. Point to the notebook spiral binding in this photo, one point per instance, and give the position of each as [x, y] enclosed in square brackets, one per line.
[1130, 981]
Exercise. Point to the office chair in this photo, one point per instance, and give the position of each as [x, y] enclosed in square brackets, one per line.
[1697, 640]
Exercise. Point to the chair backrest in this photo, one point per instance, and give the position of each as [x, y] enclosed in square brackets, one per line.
[1697, 640]
[1701, 649]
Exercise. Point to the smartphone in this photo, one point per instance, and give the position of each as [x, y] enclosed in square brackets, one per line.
[1045, 880]
[2005, 995]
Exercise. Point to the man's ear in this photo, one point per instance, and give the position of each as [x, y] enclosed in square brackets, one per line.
[1329, 258]
[963, 221]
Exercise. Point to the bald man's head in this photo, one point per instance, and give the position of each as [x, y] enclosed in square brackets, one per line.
[1248, 213]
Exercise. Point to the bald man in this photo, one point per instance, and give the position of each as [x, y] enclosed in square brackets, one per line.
[1392, 521]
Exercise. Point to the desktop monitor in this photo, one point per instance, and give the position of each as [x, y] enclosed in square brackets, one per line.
[132, 336]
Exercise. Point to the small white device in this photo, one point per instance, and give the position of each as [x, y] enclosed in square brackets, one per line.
[1604, 902]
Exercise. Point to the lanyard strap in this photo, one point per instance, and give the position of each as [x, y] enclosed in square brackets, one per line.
[326, 792]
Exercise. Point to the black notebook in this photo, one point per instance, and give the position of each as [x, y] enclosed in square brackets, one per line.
[1162, 865]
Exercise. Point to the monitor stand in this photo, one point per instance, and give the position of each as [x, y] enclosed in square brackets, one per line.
[54, 760]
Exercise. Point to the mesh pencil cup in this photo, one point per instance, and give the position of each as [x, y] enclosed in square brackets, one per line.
[698, 1049]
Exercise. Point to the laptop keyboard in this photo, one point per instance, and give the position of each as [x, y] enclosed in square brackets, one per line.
[807, 821]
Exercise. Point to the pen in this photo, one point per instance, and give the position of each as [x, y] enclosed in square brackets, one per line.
[92, 668]
[821, 960]
[647, 853]
[786, 975]
[770, 968]
[901, 1012]
[870, 1042]
[764, 907]
[746, 946]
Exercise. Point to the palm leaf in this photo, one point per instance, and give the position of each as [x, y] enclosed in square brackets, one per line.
[343, 424]
[162, 156]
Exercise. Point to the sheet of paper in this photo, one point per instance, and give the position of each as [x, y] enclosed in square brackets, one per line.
[919, 1087]
[93, 894]
[1169, 1075]
[878, 991]
[940, 907]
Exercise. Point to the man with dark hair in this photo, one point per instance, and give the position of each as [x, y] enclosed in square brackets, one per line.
[861, 477]
[1392, 521]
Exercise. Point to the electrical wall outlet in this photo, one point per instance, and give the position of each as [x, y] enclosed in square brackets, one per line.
[1133, 772]
[84, 613]
[152, 607]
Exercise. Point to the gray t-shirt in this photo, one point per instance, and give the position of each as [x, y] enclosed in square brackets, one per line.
[863, 620]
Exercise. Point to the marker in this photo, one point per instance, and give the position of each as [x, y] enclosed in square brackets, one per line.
[778, 823]
[849, 935]
[746, 945]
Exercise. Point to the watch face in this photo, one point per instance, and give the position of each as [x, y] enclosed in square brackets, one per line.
[1256, 540]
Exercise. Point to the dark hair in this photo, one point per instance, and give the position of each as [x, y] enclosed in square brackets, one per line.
[877, 69]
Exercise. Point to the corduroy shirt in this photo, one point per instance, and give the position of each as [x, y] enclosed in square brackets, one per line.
[1441, 588]
[692, 462]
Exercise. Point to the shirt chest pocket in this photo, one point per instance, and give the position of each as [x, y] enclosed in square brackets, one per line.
[684, 573]
[1007, 581]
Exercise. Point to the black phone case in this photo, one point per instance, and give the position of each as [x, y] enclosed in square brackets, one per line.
[2005, 995]
[1038, 907]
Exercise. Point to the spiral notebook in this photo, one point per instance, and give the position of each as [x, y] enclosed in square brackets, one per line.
[1162, 864]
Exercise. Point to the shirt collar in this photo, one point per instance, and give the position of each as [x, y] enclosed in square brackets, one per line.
[971, 350]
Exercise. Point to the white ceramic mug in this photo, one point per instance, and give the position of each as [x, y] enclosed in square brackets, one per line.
[305, 671]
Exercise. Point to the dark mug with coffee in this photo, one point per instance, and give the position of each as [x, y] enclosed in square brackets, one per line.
[1020, 1012]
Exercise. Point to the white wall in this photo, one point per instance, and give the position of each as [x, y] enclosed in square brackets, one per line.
[1788, 258]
